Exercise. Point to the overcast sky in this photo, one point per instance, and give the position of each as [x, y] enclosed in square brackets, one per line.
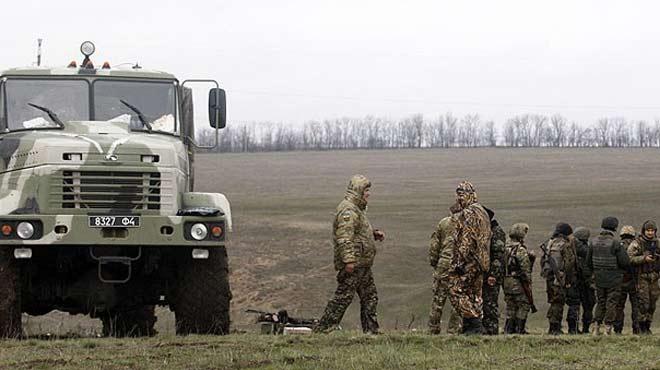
[301, 60]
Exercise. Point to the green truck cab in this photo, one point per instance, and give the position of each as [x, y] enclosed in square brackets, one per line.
[98, 215]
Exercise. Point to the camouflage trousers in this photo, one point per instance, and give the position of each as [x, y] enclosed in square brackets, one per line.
[558, 297]
[517, 305]
[465, 292]
[587, 301]
[648, 293]
[360, 281]
[491, 320]
[606, 302]
[440, 294]
[628, 292]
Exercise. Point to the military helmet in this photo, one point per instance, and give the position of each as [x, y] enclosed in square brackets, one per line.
[582, 233]
[627, 230]
[518, 231]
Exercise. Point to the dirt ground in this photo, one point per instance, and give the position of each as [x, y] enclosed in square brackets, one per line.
[281, 255]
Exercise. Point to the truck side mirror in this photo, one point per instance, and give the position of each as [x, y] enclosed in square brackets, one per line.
[217, 108]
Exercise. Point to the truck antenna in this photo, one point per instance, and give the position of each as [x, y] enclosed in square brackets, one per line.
[39, 41]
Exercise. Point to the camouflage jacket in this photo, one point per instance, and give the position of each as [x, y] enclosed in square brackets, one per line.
[497, 245]
[517, 263]
[440, 245]
[638, 249]
[471, 239]
[352, 236]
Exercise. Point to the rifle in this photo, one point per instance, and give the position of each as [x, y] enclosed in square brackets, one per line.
[282, 317]
[527, 288]
[528, 293]
[551, 261]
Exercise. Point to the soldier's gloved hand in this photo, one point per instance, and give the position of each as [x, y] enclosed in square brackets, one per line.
[648, 258]
[349, 267]
[379, 235]
[492, 280]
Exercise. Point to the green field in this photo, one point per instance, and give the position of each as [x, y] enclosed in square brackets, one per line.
[347, 350]
[281, 257]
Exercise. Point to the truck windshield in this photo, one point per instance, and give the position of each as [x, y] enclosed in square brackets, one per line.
[69, 100]
[66, 98]
[155, 100]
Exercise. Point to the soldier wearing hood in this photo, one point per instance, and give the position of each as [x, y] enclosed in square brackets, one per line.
[628, 288]
[440, 256]
[471, 257]
[355, 249]
[609, 262]
[645, 257]
[517, 271]
[559, 268]
[493, 278]
[585, 284]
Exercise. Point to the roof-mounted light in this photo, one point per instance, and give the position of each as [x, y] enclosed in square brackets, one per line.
[87, 48]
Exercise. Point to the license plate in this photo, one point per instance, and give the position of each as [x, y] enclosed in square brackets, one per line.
[114, 221]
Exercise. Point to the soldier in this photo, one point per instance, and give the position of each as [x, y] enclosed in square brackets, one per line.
[645, 257]
[517, 280]
[355, 250]
[559, 268]
[628, 288]
[608, 261]
[585, 284]
[470, 258]
[440, 254]
[493, 278]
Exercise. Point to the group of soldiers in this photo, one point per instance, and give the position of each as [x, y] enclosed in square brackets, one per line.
[473, 261]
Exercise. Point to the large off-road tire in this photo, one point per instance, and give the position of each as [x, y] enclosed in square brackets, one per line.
[137, 322]
[10, 295]
[202, 295]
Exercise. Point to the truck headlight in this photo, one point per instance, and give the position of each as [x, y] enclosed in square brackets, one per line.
[25, 230]
[199, 231]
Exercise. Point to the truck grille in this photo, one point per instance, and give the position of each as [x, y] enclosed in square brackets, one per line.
[112, 190]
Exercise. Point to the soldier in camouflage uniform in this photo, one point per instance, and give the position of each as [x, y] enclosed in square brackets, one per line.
[609, 262]
[517, 271]
[470, 258]
[628, 288]
[645, 257]
[355, 249]
[585, 282]
[493, 278]
[559, 268]
[440, 255]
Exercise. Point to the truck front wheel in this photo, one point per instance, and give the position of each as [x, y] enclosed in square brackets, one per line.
[202, 295]
[10, 295]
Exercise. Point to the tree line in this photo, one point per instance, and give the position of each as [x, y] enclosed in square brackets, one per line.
[445, 131]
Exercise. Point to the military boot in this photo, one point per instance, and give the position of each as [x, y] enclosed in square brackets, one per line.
[585, 327]
[618, 327]
[472, 326]
[555, 328]
[572, 327]
[509, 326]
[522, 325]
[648, 327]
[596, 329]
[635, 327]
[609, 329]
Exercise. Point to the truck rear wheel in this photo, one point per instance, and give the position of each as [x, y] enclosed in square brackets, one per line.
[138, 322]
[10, 295]
[201, 302]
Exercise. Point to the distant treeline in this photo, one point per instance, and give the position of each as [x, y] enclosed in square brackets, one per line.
[446, 131]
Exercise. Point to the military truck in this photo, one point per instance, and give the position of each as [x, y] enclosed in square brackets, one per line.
[98, 214]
